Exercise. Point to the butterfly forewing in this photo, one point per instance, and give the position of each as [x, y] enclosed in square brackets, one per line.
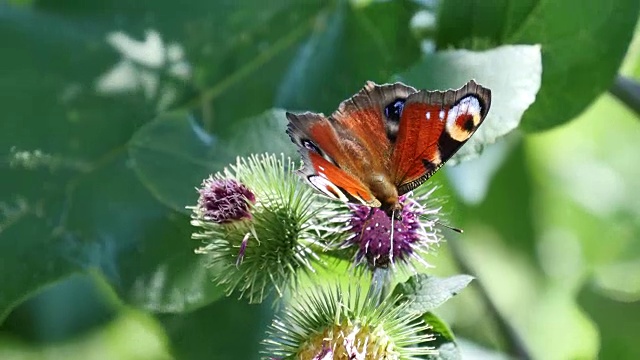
[374, 114]
[433, 126]
[322, 152]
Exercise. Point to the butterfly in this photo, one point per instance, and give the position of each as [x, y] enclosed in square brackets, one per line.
[385, 140]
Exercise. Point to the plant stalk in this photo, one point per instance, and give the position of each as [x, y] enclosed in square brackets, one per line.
[515, 345]
[627, 91]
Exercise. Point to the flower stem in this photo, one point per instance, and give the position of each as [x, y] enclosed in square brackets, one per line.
[380, 285]
[515, 345]
[628, 91]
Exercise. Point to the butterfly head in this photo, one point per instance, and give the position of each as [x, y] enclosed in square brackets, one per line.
[394, 212]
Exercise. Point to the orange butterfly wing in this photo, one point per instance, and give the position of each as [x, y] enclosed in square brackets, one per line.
[327, 163]
[433, 126]
[348, 154]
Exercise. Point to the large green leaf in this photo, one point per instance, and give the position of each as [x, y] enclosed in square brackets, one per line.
[513, 86]
[76, 90]
[227, 329]
[425, 292]
[444, 341]
[487, 23]
[471, 179]
[349, 45]
[65, 310]
[172, 154]
[582, 46]
[133, 335]
[91, 182]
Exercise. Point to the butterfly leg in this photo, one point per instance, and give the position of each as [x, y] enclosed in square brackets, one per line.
[370, 214]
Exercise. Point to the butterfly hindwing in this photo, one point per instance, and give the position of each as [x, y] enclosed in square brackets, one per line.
[322, 150]
[433, 126]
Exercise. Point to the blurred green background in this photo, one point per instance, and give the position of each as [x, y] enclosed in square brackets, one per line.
[113, 111]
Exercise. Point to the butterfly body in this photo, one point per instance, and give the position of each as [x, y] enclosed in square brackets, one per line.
[385, 140]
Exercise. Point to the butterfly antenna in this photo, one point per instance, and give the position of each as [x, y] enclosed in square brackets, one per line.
[459, 231]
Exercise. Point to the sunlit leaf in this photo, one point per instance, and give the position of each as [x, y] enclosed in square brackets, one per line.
[511, 72]
[425, 292]
[470, 350]
[575, 40]
[471, 179]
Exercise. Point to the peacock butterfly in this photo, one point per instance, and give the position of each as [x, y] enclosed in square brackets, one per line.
[386, 140]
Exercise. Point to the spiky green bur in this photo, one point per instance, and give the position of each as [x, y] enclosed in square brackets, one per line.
[337, 324]
[267, 248]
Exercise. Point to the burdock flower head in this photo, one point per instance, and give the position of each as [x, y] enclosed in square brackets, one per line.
[381, 243]
[338, 324]
[224, 200]
[260, 226]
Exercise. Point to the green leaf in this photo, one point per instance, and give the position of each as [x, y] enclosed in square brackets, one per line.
[133, 335]
[348, 46]
[236, 52]
[173, 154]
[91, 181]
[617, 322]
[446, 351]
[444, 340]
[71, 197]
[471, 179]
[425, 292]
[141, 246]
[513, 86]
[439, 328]
[488, 23]
[227, 329]
[472, 350]
[582, 46]
[79, 304]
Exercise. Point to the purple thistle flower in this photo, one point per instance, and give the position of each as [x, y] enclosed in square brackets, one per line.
[225, 200]
[371, 233]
